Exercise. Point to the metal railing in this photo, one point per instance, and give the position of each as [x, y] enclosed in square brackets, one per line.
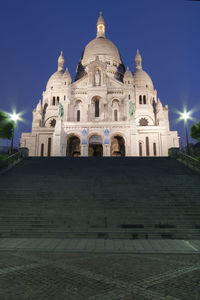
[188, 160]
[10, 160]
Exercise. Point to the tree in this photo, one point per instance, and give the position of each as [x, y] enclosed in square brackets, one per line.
[6, 126]
[195, 131]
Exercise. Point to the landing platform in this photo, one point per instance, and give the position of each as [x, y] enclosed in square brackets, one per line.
[160, 246]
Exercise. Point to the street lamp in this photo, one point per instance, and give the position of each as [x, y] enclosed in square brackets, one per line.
[185, 116]
[14, 117]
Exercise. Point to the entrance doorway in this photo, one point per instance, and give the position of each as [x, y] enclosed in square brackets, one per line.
[95, 147]
[117, 146]
[73, 146]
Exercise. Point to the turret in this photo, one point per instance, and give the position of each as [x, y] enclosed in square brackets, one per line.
[138, 60]
[61, 62]
[100, 26]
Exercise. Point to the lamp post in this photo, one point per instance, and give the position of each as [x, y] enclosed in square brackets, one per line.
[185, 116]
[13, 117]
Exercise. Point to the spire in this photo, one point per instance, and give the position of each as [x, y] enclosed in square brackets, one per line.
[138, 60]
[61, 62]
[100, 26]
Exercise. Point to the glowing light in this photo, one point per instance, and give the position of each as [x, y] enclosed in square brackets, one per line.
[185, 115]
[15, 116]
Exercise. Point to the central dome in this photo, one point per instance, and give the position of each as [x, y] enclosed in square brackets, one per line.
[106, 52]
[101, 47]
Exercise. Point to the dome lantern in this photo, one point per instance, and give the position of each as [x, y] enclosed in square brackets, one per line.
[138, 60]
[100, 26]
[61, 62]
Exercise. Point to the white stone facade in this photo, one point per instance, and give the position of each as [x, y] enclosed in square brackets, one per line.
[106, 111]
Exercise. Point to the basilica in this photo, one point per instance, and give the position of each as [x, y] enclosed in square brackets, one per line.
[106, 111]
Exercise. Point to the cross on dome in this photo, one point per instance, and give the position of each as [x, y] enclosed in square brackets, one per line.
[61, 62]
[138, 60]
[100, 26]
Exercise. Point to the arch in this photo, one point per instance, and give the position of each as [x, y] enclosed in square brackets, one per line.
[95, 147]
[73, 145]
[149, 119]
[117, 145]
[50, 118]
[115, 102]
[78, 102]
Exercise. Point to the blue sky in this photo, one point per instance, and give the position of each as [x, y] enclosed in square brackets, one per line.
[32, 34]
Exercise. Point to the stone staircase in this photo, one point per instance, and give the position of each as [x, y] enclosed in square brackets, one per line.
[100, 197]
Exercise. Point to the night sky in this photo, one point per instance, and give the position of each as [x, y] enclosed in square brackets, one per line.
[32, 34]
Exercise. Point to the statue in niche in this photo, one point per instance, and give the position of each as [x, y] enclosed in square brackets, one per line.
[60, 109]
[131, 108]
[97, 78]
[155, 111]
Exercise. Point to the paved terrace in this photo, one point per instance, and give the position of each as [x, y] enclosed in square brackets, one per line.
[39, 275]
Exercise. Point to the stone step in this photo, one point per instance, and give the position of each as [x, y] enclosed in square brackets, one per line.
[59, 193]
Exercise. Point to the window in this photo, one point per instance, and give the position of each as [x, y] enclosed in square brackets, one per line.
[53, 123]
[143, 122]
[140, 149]
[42, 150]
[128, 82]
[129, 97]
[144, 99]
[147, 146]
[97, 108]
[64, 97]
[51, 87]
[65, 82]
[58, 99]
[154, 149]
[115, 115]
[54, 101]
[78, 116]
[49, 147]
[140, 99]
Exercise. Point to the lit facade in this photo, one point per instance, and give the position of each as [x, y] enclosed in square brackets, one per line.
[106, 111]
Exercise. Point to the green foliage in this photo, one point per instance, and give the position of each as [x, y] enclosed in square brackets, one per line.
[195, 131]
[6, 126]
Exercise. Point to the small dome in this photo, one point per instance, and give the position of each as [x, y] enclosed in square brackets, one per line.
[56, 80]
[128, 73]
[100, 47]
[141, 78]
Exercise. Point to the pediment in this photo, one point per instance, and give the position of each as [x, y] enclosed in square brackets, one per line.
[113, 83]
[81, 83]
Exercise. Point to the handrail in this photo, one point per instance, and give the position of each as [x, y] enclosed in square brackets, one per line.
[189, 160]
[10, 160]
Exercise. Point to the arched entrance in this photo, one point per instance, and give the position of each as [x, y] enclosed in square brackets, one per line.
[95, 147]
[117, 146]
[73, 146]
